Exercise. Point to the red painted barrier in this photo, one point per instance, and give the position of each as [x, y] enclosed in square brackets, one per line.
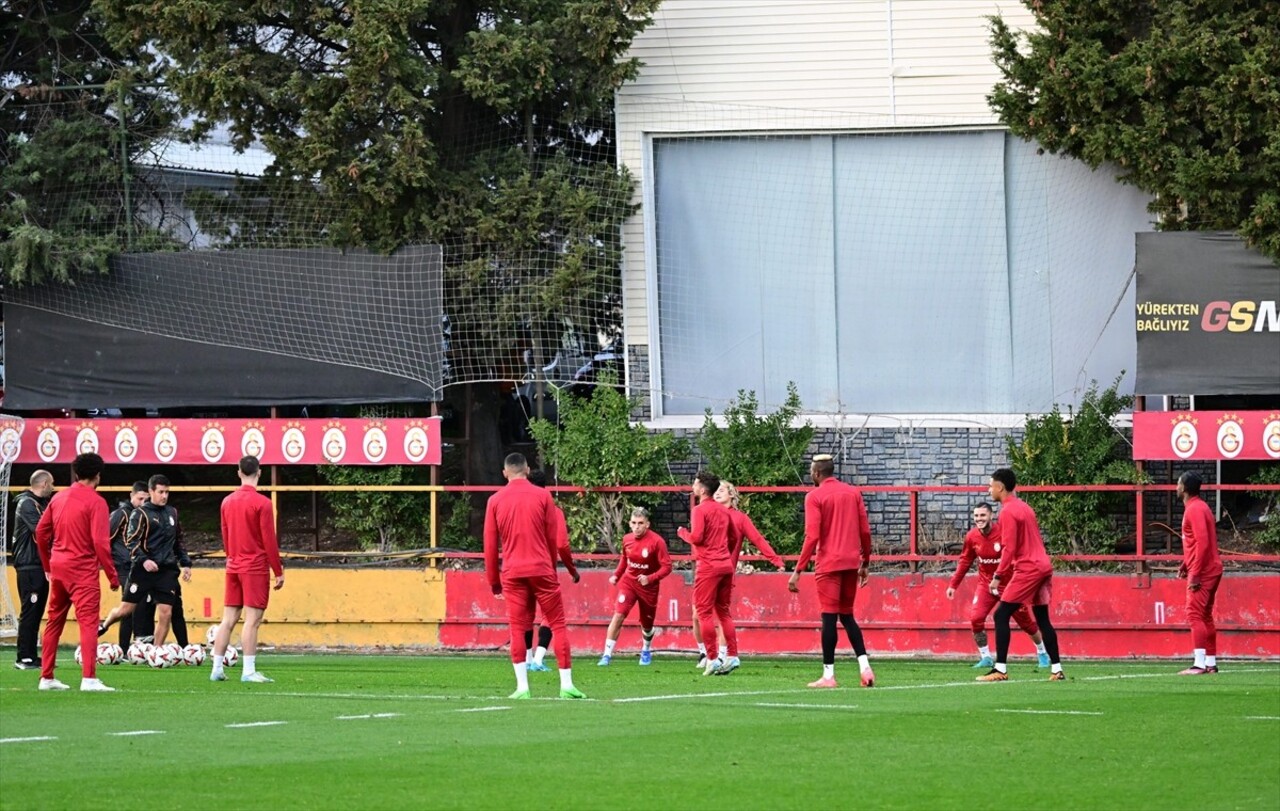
[1097, 615]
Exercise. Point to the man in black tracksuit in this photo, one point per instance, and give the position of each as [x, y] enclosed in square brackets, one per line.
[33, 586]
[159, 557]
[121, 554]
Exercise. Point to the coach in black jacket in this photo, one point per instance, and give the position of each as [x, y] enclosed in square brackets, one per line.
[33, 586]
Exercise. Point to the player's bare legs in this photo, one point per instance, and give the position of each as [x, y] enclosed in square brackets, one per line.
[230, 616]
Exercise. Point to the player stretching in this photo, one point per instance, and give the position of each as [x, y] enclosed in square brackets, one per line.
[712, 534]
[727, 495]
[836, 529]
[1026, 568]
[1202, 567]
[249, 538]
[983, 545]
[520, 524]
[645, 561]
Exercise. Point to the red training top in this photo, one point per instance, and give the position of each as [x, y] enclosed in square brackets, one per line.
[563, 550]
[983, 548]
[521, 518]
[644, 555]
[1199, 541]
[747, 532]
[249, 533]
[712, 534]
[73, 537]
[835, 527]
[1023, 551]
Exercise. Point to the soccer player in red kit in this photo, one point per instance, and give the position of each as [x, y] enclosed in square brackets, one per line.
[712, 535]
[983, 545]
[533, 657]
[1202, 568]
[520, 525]
[249, 538]
[837, 531]
[73, 541]
[645, 561]
[1026, 569]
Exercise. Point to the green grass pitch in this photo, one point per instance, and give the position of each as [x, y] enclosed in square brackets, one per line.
[349, 731]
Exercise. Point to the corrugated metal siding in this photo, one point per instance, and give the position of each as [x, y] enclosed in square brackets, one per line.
[714, 66]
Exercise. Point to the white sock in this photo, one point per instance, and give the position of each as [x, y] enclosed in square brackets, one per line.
[1056, 668]
[1002, 667]
[723, 652]
[1199, 652]
[1040, 648]
[702, 649]
[218, 662]
[1210, 661]
[863, 662]
[250, 664]
[829, 671]
[528, 656]
[609, 645]
[647, 636]
[539, 654]
[566, 678]
[522, 675]
[984, 652]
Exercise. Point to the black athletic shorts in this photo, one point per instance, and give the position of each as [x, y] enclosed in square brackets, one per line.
[162, 586]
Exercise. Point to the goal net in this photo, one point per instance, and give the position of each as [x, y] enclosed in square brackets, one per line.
[10, 438]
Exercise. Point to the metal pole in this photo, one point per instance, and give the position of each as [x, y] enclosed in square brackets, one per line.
[121, 114]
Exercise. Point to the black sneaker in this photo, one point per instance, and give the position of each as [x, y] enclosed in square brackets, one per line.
[26, 664]
[102, 629]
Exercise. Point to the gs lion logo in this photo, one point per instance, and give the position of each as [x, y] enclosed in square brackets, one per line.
[212, 443]
[252, 442]
[293, 443]
[415, 443]
[1183, 437]
[333, 445]
[1230, 436]
[166, 442]
[48, 443]
[126, 442]
[87, 439]
[375, 443]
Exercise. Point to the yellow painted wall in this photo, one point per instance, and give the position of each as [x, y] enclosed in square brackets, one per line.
[334, 608]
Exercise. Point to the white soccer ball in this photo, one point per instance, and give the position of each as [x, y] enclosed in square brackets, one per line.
[210, 635]
[230, 657]
[137, 653]
[161, 656]
[109, 653]
[175, 650]
[193, 655]
[79, 660]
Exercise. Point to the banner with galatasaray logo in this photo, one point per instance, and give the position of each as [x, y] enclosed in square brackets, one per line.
[1206, 435]
[362, 441]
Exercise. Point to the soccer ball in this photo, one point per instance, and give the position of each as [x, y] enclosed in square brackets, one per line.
[109, 653]
[138, 652]
[175, 650]
[231, 657]
[193, 655]
[210, 635]
[161, 656]
[79, 660]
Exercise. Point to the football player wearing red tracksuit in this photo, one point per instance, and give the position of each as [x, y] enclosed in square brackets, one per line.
[837, 531]
[520, 526]
[73, 541]
[982, 544]
[249, 539]
[533, 657]
[712, 535]
[1026, 569]
[1202, 568]
[644, 562]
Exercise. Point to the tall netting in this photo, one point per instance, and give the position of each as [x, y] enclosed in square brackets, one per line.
[10, 438]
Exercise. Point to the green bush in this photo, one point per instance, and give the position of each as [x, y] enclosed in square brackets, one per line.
[596, 445]
[380, 519]
[1082, 446]
[1269, 534]
[762, 451]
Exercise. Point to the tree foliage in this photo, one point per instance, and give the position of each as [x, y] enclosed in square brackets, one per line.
[761, 451]
[380, 519]
[482, 125]
[1082, 446]
[63, 206]
[596, 445]
[1184, 96]
[1269, 532]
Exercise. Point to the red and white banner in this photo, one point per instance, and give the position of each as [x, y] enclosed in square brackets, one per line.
[1206, 435]
[401, 441]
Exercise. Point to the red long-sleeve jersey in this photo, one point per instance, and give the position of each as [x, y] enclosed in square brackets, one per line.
[1199, 541]
[835, 528]
[646, 555]
[747, 532]
[249, 533]
[1022, 549]
[519, 523]
[983, 548]
[712, 534]
[563, 550]
[74, 538]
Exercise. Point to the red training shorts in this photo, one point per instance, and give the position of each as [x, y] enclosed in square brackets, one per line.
[247, 590]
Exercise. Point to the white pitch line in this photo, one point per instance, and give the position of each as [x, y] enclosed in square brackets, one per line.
[387, 714]
[1051, 712]
[137, 732]
[352, 717]
[257, 724]
[29, 740]
[808, 706]
[1262, 718]
[681, 696]
[483, 709]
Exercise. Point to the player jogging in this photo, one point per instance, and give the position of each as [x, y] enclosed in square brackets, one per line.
[645, 561]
